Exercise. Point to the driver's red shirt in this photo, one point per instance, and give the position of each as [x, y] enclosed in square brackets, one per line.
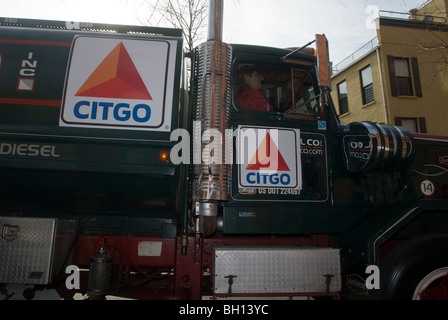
[252, 99]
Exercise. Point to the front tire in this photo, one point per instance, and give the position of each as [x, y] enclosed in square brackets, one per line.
[417, 270]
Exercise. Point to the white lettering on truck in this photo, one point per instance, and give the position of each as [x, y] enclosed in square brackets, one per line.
[28, 150]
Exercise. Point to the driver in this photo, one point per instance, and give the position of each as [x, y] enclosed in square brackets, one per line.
[249, 95]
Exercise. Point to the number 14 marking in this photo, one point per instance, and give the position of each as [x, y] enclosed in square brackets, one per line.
[427, 187]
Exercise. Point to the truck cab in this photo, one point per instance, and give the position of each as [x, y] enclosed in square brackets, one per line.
[296, 118]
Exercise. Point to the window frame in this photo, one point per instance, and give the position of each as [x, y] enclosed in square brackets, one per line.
[287, 69]
[414, 77]
[365, 87]
[343, 99]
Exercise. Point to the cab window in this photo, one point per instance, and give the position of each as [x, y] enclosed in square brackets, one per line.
[274, 89]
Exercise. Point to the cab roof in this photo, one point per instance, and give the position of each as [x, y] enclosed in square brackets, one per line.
[89, 26]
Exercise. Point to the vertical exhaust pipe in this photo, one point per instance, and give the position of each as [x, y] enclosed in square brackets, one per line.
[212, 112]
[215, 20]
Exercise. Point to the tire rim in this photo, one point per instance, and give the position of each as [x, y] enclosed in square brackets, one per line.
[433, 287]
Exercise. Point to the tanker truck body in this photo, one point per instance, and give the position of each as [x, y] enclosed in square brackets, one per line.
[156, 186]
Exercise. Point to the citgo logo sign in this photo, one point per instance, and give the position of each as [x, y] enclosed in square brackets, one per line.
[269, 158]
[119, 84]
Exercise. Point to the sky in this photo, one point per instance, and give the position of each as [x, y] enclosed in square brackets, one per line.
[348, 24]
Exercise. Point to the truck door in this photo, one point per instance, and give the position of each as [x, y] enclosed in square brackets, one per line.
[280, 149]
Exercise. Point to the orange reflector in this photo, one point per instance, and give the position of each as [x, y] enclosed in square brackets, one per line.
[164, 156]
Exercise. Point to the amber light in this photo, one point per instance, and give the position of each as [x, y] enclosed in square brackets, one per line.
[309, 51]
[164, 156]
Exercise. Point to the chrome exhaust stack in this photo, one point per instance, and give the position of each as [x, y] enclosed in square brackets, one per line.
[211, 114]
[215, 20]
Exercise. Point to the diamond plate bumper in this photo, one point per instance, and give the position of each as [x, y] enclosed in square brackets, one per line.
[272, 270]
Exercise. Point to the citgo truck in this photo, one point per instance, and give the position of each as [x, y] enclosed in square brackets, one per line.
[130, 168]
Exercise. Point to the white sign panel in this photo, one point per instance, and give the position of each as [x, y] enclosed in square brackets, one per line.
[116, 83]
[149, 249]
[269, 158]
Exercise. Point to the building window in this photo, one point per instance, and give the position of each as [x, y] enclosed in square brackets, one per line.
[367, 85]
[404, 76]
[410, 124]
[415, 125]
[342, 97]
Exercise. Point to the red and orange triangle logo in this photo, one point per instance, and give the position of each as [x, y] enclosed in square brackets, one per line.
[265, 150]
[115, 77]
